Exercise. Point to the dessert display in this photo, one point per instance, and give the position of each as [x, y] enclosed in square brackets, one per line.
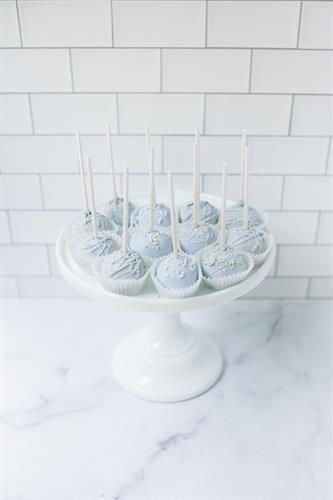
[224, 266]
[89, 246]
[114, 208]
[151, 242]
[195, 236]
[124, 271]
[174, 249]
[178, 275]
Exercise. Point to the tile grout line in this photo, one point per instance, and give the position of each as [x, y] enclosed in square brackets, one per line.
[318, 227]
[204, 116]
[282, 191]
[291, 114]
[173, 47]
[328, 156]
[49, 259]
[307, 296]
[19, 23]
[161, 71]
[71, 69]
[31, 115]
[140, 93]
[117, 114]
[112, 23]
[250, 72]
[10, 229]
[162, 155]
[299, 24]
[206, 23]
[41, 191]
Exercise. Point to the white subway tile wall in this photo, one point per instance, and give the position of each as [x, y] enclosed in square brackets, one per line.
[173, 65]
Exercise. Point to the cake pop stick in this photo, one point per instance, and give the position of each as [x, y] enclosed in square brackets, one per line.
[246, 182]
[195, 185]
[173, 215]
[92, 197]
[148, 142]
[82, 173]
[152, 199]
[125, 211]
[244, 144]
[110, 155]
[224, 205]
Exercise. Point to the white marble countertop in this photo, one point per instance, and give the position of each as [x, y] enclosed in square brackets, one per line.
[262, 433]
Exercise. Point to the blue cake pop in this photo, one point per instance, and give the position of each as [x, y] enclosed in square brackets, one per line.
[218, 263]
[252, 240]
[83, 224]
[151, 243]
[161, 216]
[177, 271]
[207, 213]
[123, 266]
[235, 217]
[114, 210]
[192, 239]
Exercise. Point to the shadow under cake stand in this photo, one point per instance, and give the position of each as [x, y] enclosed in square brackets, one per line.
[164, 360]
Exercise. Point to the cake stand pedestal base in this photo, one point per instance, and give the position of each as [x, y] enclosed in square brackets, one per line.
[166, 360]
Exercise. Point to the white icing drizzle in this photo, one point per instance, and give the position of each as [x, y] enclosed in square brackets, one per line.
[251, 235]
[228, 259]
[197, 235]
[207, 212]
[100, 246]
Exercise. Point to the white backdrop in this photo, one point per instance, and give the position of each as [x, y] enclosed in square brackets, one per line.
[221, 65]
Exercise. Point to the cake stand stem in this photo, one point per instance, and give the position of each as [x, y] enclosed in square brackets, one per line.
[166, 360]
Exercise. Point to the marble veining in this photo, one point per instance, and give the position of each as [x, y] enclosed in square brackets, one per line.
[264, 431]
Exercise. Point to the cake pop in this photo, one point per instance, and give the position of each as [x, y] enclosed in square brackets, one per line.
[90, 246]
[234, 214]
[82, 223]
[125, 271]
[249, 238]
[224, 266]
[177, 275]
[206, 213]
[150, 242]
[195, 236]
[161, 213]
[114, 208]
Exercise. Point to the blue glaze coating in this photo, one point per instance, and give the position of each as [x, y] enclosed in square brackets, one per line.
[207, 212]
[193, 239]
[120, 266]
[235, 217]
[177, 271]
[250, 240]
[152, 244]
[101, 246]
[220, 263]
[114, 210]
[161, 216]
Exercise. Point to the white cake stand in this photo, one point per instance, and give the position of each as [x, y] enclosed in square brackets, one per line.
[164, 360]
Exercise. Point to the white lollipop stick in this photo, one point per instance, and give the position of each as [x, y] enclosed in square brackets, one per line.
[82, 173]
[173, 215]
[195, 185]
[125, 211]
[244, 144]
[224, 205]
[197, 135]
[152, 196]
[246, 183]
[92, 197]
[148, 142]
[110, 155]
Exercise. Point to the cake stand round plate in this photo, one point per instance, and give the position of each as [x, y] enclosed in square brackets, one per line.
[164, 360]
